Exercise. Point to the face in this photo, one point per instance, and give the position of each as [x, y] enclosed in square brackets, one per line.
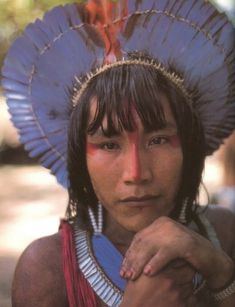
[136, 175]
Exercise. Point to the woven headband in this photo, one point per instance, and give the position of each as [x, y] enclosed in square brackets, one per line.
[171, 76]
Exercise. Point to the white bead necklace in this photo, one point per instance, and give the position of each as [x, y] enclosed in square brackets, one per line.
[96, 225]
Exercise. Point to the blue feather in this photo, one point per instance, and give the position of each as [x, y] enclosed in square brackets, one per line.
[30, 136]
[22, 118]
[35, 149]
[57, 166]
[11, 85]
[56, 20]
[15, 104]
[72, 15]
[38, 38]
[13, 74]
[47, 159]
[61, 175]
[24, 53]
[16, 112]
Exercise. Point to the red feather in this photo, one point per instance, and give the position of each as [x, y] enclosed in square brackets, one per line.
[102, 14]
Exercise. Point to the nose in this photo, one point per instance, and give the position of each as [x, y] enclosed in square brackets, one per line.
[136, 168]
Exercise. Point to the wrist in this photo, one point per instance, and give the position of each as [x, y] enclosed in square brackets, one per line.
[222, 275]
[226, 293]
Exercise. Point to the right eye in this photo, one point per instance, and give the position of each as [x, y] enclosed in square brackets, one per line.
[109, 146]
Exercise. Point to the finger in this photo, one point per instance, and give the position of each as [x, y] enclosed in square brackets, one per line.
[138, 254]
[132, 268]
[159, 261]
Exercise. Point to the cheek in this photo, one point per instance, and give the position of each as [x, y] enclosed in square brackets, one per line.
[95, 159]
[168, 168]
[176, 172]
[176, 165]
[101, 169]
[94, 164]
[91, 149]
[175, 141]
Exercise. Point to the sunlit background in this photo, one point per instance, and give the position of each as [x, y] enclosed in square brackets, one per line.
[31, 202]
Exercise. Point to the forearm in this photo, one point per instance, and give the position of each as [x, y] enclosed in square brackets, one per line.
[205, 299]
[224, 296]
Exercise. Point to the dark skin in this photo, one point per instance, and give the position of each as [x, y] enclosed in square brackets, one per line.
[39, 277]
[209, 262]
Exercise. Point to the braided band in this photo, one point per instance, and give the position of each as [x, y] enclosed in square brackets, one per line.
[223, 294]
[172, 76]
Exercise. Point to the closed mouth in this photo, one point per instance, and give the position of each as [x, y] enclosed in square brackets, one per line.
[143, 201]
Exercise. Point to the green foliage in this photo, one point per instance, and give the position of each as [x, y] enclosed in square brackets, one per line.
[16, 14]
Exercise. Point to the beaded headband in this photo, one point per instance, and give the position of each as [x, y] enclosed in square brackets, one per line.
[172, 76]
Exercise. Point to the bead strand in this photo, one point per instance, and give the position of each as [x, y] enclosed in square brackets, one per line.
[100, 218]
[97, 226]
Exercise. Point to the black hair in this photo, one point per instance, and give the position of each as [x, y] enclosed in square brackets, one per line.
[117, 91]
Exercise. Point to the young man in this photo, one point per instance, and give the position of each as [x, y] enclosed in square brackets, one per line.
[140, 125]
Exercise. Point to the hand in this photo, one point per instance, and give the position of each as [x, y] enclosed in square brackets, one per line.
[171, 287]
[166, 240]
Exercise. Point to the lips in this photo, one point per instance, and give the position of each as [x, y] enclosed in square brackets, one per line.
[142, 201]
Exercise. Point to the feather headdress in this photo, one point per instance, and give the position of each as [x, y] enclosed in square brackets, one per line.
[72, 40]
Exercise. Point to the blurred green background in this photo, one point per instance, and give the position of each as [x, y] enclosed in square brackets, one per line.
[16, 14]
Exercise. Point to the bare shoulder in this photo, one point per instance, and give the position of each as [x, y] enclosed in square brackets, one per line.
[38, 279]
[223, 221]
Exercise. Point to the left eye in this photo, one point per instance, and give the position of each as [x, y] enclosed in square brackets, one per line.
[159, 140]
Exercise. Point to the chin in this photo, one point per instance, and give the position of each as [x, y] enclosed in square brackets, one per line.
[136, 225]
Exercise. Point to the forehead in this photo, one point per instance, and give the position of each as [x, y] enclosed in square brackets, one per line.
[167, 113]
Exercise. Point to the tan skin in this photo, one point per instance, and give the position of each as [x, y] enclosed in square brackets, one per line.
[141, 164]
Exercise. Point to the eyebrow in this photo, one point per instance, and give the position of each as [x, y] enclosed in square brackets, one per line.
[101, 132]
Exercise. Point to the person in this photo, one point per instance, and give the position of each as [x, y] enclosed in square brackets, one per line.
[123, 100]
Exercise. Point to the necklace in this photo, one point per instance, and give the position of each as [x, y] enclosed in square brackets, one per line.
[95, 275]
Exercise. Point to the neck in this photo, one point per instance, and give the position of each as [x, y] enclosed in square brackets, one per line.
[118, 235]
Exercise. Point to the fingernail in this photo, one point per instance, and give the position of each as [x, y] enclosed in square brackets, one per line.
[147, 270]
[122, 273]
[129, 274]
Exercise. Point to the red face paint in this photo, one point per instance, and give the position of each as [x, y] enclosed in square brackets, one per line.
[133, 138]
[91, 149]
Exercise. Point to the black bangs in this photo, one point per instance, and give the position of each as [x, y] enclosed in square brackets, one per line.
[122, 89]
[120, 93]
